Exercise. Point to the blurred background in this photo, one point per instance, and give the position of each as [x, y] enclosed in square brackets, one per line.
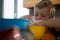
[12, 9]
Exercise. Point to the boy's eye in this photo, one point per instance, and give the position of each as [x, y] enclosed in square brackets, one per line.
[36, 14]
[43, 15]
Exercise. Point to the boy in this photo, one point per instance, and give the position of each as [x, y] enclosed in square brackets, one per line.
[44, 11]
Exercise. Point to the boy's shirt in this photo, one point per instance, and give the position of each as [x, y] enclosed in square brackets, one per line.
[55, 33]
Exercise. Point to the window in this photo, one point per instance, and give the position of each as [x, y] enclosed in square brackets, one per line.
[8, 9]
[21, 10]
[14, 10]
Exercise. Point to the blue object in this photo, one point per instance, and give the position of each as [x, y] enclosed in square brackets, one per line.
[8, 23]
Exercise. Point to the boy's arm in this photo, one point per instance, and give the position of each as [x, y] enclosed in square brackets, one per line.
[51, 22]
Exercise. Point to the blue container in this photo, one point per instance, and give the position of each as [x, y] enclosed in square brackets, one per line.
[8, 23]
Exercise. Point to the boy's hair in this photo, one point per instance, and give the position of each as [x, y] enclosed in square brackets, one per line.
[48, 4]
[44, 3]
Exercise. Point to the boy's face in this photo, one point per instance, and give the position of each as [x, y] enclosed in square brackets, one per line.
[42, 14]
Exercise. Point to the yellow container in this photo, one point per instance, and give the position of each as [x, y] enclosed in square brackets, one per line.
[38, 31]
